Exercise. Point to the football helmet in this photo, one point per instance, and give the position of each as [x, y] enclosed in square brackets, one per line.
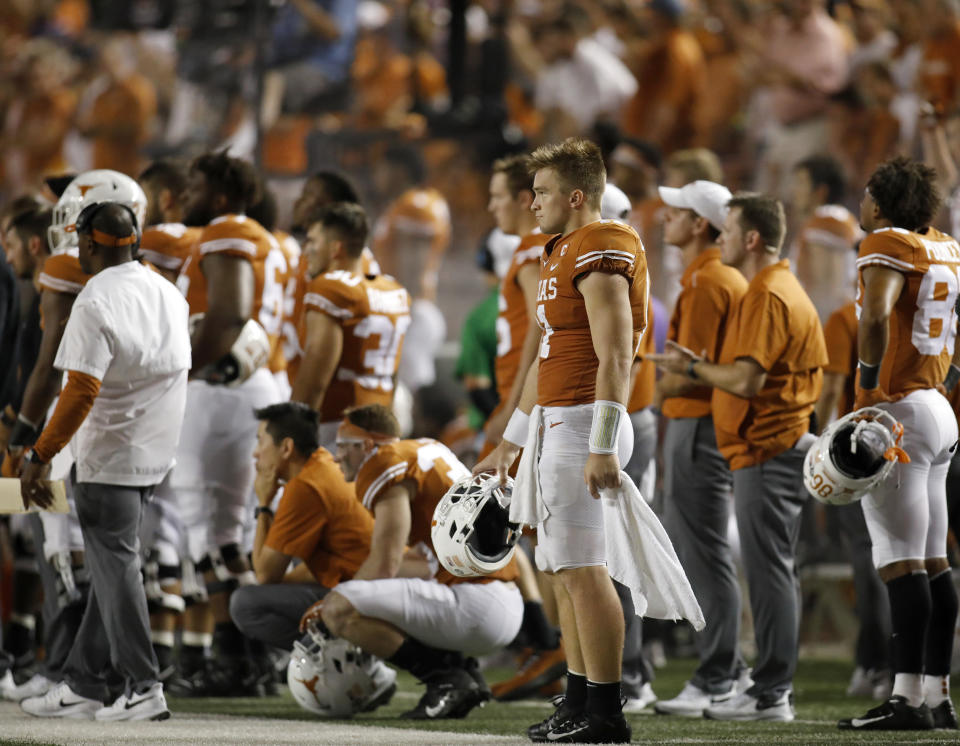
[853, 455]
[471, 530]
[333, 678]
[250, 351]
[99, 185]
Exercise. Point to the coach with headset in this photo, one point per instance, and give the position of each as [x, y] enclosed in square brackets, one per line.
[126, 352]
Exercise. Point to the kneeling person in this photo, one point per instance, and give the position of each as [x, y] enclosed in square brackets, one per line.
[318, 520]
[425, 626]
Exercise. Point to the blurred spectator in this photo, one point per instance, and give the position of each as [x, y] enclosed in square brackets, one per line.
[940, 69]
[671, 73]
[905, 66]
[875, 40]
[121, 114]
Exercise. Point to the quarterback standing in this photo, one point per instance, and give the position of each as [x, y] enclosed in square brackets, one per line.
[906, 335]
[591, 306]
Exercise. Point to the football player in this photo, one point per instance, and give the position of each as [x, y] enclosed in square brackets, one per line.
[905, 338]
[225, 279]
[353, 331]
[591, 307]
[424, 625]
[166, 242]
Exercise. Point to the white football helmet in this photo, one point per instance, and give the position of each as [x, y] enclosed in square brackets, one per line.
[250, 351]
[471, 531]
[853, 455]
[99, 185]
[333, 678]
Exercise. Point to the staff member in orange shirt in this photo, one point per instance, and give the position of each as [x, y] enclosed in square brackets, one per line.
[318, 521]
[766, 382]
[697, 479]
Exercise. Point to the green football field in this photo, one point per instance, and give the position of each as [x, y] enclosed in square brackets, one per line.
[819, 693]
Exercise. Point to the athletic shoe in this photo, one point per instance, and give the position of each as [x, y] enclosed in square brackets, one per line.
[692, 701]
[7, 684]
[869, 683]
[744, 680]
[894, 714]
[589, 729]
[944, 716]
[151, 705]
[385, 681]
[538, 670]
[745, 706]
[882, 685]
[472, 667]
[562, 713]
[451, 693]
[645, 697]
[36, 686]
[61, 701]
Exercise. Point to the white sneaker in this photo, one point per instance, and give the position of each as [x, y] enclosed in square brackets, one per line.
[151, 705]
[745, 706]
[860, 683]
[36, 686]
[691, 701]
[61, 701]
[7, 684]
[646, 698]
[744, 680]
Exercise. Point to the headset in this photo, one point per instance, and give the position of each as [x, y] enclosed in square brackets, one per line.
[84, 222]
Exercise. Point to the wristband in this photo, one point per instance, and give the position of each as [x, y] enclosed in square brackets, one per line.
[516, 430]
[691, 373]
[23, 434]
[953, 375]
[34, 458]
[605, 430]
[8, 417]
[869, 376]
[262, 510]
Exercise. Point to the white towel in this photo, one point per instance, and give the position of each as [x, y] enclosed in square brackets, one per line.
[641, 557]
[526, 504]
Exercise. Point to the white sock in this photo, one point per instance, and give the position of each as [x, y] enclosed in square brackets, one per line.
[936, 689]
[910, 686]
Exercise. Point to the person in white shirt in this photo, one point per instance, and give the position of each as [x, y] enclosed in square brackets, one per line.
[126, 353]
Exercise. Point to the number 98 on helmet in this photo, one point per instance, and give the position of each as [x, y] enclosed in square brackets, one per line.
[471, 531]
[853, 455]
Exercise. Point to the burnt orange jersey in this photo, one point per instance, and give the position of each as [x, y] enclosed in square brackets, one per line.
[923, 322]
[288, 278]
[824, 257]
[411, 237]
[61, 273]
[641, 395]
[167, 245]
[244, 238]
[568, 363]
[512, 321]
[430, 468]
[840, 334]
[374, 314]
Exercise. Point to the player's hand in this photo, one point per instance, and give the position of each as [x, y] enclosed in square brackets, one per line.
[499, 460]
[870, 397]
[674, 358]
[266, 484]
[496, 425]
[602, 471]
[34, 485]
[311, 615]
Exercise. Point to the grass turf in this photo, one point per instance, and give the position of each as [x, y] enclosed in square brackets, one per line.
[818, 688]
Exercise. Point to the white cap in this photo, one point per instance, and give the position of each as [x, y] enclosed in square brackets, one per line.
[614, 205]
[706, 198]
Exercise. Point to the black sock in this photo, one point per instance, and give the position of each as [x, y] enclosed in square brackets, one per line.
[164, 655]
[192, 658]
[422, 660]
[19, 640]
[909, 616]
[576, 695]
[603, 700]
[541, 634]
[943, 619]
[228, 640]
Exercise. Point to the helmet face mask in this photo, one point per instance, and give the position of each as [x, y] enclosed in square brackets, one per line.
[99, 185]
[471, 531]
[852, 456]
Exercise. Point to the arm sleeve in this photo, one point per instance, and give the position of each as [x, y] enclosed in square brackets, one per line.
[380, 473]
[86, 346]
[611, 248]
[74, 404]
[332, 297]
[885, 249]
[841, 346]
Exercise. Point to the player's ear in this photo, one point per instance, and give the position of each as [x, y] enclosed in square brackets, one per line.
[577, 198]
[287, 448]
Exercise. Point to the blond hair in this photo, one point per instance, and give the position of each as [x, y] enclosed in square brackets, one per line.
[578, 163]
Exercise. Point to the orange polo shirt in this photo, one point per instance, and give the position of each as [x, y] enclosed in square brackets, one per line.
[776, 325]
[840, 334]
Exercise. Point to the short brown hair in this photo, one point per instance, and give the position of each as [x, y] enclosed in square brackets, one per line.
[696, 164]
[375, 418]
[517, 170]
[578, 163]
[762, 214]
[348, 221]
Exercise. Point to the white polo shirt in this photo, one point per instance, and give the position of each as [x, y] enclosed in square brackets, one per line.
[128, 328]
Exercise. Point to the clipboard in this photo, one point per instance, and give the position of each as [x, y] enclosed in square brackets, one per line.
[11, 502]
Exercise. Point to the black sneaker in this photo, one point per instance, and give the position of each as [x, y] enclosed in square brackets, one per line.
[538, 733]
[944, 716]
[894, 714]
[589, 729]
[451, 693]
[484, 694]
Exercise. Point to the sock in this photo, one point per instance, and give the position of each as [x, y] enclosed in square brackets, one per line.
[20, 631]
[193, 651]
[576, 695]
[909, 616]
[229, 640]
[943, 619]
[936, 689]
[909, 685]
[540, 633]
[162, 648]
[603, 699]
[419, 659]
